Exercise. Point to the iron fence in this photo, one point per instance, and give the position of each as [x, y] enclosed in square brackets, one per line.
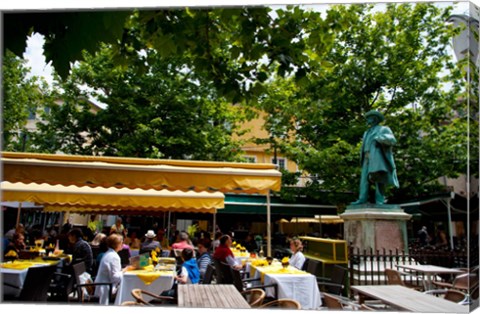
[367, 267]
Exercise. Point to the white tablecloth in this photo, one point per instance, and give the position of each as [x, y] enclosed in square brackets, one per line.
[14, 277]
[300, 287]
[132, 281]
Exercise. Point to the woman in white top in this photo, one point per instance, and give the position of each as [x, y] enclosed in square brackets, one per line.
[110, 269]
[297, 259]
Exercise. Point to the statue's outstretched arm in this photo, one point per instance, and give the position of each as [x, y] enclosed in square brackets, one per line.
[386, 137]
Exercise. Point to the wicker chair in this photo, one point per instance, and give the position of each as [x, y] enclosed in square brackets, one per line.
[453, 295]
[461, 282]
[337, 302]
[394, 277]
[332, 302]
[138, 294]
[131, 303]
[282, 303]
[254, 297]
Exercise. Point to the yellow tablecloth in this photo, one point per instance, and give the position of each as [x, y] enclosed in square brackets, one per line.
[149, 275]
[24, 264]
[240, 254]
[275, 269]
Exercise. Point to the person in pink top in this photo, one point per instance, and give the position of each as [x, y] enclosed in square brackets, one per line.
[183, 243]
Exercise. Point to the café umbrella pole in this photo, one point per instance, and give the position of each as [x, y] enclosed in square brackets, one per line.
[19, 209]
[168, 227]
[269, 231]
[214, 225]
[450, 231]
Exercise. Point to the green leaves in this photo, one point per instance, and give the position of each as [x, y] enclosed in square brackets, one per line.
[66, 33]
[23, 98]
[169, 78]
[393, 60]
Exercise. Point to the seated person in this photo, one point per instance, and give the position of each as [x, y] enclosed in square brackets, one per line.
[150, 244]
[133, 241]
[250, 244]
[81, 249]
[297, 259]
[216, 242]
[118, 228]
[204, 258]
[97, 240]
[224, 254]
[190, 273]
[102, 249]
[110, 269]
[17, 244]
[184, 242]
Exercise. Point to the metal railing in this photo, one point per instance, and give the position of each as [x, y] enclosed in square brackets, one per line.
[367, 267]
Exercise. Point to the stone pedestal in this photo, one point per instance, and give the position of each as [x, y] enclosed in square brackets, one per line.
[376, 226]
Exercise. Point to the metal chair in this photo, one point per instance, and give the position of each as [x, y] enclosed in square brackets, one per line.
[223, 272]
[336, 283]
[61, 285]
[313, 267]
[124, 257]
[36, 285]
[209, 274]
[85, 290]
[242, 284]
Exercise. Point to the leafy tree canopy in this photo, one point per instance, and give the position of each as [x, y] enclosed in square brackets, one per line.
[165, 73]
[23, 96]
[155, 107]
[396, 61]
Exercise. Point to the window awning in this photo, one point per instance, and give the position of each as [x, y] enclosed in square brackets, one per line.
[100, 199]
[140, 173]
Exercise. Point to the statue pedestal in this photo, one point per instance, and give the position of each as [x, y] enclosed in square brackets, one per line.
[376, 226]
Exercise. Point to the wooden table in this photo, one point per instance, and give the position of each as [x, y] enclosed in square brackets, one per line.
[211, 296]
[430, 271]
[407, 299]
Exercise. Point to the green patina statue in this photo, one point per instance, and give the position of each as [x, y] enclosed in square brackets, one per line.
[376, 158]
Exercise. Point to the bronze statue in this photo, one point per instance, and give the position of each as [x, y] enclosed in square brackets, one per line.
[376, 158]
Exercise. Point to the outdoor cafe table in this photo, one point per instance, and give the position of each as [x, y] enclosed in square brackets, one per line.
[292, 284]
[211, 296]
[149, 280]
[14, 273]
[407, 299]
[430, 271]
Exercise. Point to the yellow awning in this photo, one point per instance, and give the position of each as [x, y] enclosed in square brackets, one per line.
[86, 199]
[140, 173]
[324, 219]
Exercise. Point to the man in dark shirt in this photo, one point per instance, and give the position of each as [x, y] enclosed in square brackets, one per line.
[82, 252]
[150, 244]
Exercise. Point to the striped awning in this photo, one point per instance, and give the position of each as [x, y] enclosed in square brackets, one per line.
[106, 200]
[140, 173]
